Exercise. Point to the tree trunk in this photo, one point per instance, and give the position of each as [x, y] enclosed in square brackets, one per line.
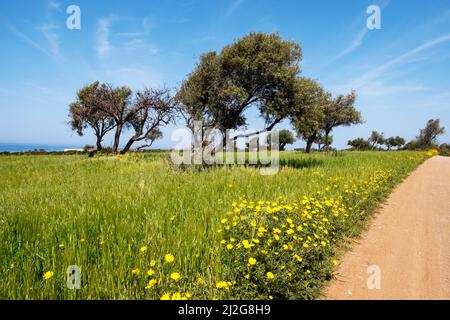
[224, 140]
[99, 143]
[309, 142]
[128, 146]
[117, 138]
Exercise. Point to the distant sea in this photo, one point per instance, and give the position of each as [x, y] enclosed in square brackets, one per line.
[22, 147]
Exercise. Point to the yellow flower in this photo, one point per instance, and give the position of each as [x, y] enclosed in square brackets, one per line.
[150, 272]
[253, 223]
[61, 245]
[136, 271]
[334, 262]
[143, 249]
[222, 285]
[48, 275]
[152, 263]
[290, 231]
[82, 240]
[252, 261]
[270, 275]
[175, 276]
[247, 244]
[165, 296]
[200, 280]
[229, 246]
[270, 298]
[176, 296]
[151, 284]
[169, 258]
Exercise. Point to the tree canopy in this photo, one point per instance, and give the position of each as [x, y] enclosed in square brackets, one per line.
[86, 112]
[257, 70]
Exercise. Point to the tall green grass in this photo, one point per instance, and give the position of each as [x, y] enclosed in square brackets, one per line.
[57, 211]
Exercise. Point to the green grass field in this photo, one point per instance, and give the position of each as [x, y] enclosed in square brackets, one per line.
[112, 216]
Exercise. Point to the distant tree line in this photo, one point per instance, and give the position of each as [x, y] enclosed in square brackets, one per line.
[427, 138]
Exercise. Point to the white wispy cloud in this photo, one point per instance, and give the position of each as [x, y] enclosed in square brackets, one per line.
[29, 41]
[103, 46]
[49, 32]
[357, 41]
[54, 5]
[235, 4]
[379, 81]
[127, 41]
[379, 71]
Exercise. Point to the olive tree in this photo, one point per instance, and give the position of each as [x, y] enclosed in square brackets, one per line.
[394, 142]
[340, 111]
[376, 138]
[285, 137]
[151, 109]
[312, 100]
[116, 104]
[258, 70]
[86, 112]
[428, 136]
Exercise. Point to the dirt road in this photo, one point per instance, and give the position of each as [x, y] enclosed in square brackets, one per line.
[409, 240]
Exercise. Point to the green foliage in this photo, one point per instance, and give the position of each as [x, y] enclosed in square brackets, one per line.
[88, 111]
[444, 150]
[321, 113]
[376, 138]
[257, 70]
[394, 142]
[285, 137]
[427, 137]
[360, 144]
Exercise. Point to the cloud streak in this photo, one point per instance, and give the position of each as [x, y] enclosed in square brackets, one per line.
[52, 38]
[103, 46]
[357, 41]
[26, 39]
[382, 69]
[234, 6]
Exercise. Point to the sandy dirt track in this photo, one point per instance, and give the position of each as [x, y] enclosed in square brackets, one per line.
[409, 239]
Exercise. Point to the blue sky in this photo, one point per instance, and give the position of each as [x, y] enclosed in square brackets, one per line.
[401, 72]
